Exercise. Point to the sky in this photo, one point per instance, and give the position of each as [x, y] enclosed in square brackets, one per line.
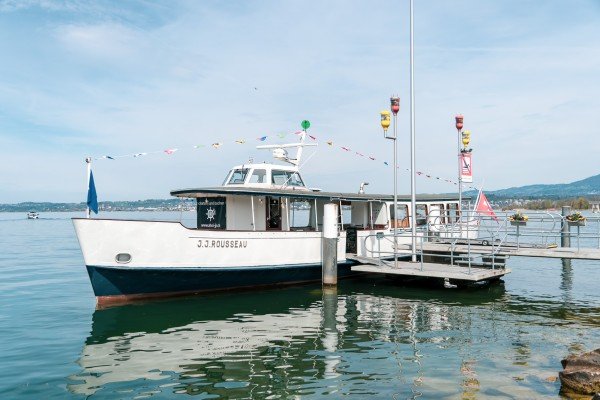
[80, 78]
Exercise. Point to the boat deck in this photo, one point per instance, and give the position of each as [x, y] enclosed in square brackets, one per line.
[427, 270]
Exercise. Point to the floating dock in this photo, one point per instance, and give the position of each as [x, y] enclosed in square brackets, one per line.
[428, 270]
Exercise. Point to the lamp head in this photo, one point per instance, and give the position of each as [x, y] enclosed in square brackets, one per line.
[395, 105]
[459, 121]
[385, 120]
[466, 138]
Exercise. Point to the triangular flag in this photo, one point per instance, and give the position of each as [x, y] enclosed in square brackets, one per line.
[92, 198]
[262, 138]
[330, 143]
[170, 151]
[484, 207]
[240, 141]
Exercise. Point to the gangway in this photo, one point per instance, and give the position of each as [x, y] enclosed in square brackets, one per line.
[427, 270]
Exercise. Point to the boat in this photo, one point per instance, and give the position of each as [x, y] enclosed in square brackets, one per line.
[262, 226]
[33, 215]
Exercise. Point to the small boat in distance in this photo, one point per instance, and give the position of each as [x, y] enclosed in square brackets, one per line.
[32, 215]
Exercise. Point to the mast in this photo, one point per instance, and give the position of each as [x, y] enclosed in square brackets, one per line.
[280, 152]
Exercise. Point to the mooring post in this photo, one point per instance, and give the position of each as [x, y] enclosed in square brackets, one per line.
[565, 235]
[329, 246]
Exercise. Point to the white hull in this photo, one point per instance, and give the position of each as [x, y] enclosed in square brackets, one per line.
[159, 244]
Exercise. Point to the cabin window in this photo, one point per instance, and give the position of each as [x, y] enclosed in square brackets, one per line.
[379, 216]
[258, 176]
[287, 178]
[401, 221]
[421, 214]
[238, 176]
[299, 215]
[437, 214]
[452, 212]
[345, 211]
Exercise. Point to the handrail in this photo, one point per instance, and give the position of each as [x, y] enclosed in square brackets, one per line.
[471, 228]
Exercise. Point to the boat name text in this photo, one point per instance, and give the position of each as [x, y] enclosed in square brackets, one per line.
[223, 244]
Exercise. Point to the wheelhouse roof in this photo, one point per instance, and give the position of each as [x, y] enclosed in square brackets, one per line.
[304, 194]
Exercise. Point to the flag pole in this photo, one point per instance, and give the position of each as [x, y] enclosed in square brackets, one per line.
[413, 189]
[88, 161]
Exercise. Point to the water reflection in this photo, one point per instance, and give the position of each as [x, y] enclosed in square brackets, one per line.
[305, 341]
[566, 283]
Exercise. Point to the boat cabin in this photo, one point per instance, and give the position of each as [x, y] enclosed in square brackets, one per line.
[273, 198]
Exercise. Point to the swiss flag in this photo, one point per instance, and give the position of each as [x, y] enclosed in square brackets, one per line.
[483, 207]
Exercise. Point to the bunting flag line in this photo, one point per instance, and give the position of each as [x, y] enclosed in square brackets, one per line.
[330, 143]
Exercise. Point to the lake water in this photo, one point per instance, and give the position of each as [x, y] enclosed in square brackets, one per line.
[369, 338]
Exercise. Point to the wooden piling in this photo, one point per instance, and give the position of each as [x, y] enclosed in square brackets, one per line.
[565, 234]
[329, 244]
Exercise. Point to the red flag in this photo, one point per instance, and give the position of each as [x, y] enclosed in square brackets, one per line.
[484, 207]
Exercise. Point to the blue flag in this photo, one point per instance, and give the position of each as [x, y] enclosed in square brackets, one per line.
[92, 200]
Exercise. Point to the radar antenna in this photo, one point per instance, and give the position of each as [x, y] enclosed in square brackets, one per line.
[280, 152]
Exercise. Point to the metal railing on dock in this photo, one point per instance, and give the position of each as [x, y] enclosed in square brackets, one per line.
[479, 241]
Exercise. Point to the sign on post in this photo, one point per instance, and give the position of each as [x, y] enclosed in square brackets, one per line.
[466, 168]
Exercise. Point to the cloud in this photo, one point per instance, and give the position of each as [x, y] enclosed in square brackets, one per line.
[123, 78]
[105, 41]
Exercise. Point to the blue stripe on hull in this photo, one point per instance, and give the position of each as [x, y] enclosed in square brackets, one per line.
[119, 281]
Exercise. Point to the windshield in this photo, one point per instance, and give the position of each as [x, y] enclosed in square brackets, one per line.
[286, 178]
[258, 176]
[238, 176]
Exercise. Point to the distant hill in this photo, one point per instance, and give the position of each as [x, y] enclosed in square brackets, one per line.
[141, 205]
[589, 187]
